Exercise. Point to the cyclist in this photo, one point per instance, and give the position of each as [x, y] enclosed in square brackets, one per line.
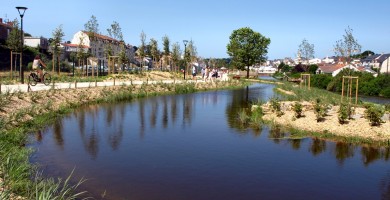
[38, 65]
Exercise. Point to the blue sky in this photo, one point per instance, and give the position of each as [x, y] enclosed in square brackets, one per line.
[210, 23]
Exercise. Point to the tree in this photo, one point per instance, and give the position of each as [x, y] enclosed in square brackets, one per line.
[13, 40]
[347, 46]
[142, 47]
[166, 42]
[175, 54]
[58, 35]
[306, 50]
[92, 28]
[115, 31]
[247, 47]
[154, 49]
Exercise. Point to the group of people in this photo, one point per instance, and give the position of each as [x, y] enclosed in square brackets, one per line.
[209, 74]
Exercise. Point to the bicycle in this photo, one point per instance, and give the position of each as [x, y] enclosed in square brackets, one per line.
[33, 78]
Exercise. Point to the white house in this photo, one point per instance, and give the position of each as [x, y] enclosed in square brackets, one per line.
[315, 61]
[384, 63]
[328, 60]
[334, 69]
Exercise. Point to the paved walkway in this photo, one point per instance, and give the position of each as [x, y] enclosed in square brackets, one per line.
[68, 85]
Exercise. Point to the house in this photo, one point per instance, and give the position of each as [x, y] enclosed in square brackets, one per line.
[370, 61]
[328, 60]
[368, 70]
[384, 63]
[315, 61]
[334, 69]
[99, 45]
[37, 42]
[5, 29]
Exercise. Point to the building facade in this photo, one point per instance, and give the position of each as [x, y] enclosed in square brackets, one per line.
[99, 45]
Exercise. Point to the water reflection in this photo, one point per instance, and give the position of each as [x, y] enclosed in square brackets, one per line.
[317, 146]
[174, 144]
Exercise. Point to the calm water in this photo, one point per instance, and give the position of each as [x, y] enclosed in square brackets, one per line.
[191, 147]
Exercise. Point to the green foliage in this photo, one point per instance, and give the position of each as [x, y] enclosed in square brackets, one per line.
[276, 107]
[320, 80]
[343, 113]
[284, 68]
[298, 109]
[313, 68]
[319, 110]
[247, 47]
[374, 114]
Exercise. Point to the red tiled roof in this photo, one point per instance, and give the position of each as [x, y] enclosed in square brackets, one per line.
[330, 68]
[103, 37]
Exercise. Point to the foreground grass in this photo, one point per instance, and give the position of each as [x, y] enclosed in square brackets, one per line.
[17, 174]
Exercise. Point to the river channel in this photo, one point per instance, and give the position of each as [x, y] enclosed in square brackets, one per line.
[192, 147]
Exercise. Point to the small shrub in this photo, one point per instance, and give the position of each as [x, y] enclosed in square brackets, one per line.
[319, 110]
[275, 106]
[298, 110]
[343, 114]
[374, 114]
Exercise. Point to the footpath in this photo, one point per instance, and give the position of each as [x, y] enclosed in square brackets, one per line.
[69, 85]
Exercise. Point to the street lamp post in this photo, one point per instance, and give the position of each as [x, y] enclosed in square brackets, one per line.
[185, 61]
[21, 11]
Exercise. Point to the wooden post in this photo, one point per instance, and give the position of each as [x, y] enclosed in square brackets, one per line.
[357, 89]
[114, 81]
[11, 75]
[75, 84]
[342, 90]
[95, 83]
[350, 90]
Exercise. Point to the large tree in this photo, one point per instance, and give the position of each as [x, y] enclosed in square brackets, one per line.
[247, 48]
[306, 50]
[347, 46]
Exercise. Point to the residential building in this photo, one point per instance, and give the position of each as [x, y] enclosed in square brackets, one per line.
[99, 45]
[328, 60]
[334, 69]
[384, 63]
[37, 42]
[5, 29]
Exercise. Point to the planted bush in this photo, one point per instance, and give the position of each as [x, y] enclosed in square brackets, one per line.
[298, 108]
[374, 114]
[343, 114]
[319, 110]
[275, 106]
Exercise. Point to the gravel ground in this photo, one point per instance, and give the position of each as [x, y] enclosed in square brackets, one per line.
[357, 127]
